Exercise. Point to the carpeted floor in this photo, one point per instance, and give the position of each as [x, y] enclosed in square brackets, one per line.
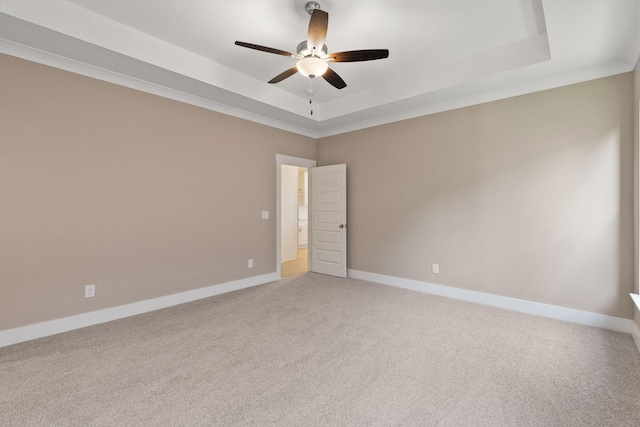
[314, 350]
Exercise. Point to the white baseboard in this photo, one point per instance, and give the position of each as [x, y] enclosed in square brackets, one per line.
[551, 311]
[635, 333]
[52, 327]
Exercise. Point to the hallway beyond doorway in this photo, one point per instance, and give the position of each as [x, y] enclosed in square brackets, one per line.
[296, 266]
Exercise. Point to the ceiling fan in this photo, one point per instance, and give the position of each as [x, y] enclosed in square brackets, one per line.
[312, 53]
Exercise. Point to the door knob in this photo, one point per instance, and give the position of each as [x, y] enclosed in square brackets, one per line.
[342, 225]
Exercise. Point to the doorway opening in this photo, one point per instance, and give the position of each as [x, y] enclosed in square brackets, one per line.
[300, 162]
[294, 220]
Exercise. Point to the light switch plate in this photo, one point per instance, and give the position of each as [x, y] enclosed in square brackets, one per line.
[90, 291]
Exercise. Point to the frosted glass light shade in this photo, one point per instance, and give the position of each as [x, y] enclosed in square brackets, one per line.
[312, 66]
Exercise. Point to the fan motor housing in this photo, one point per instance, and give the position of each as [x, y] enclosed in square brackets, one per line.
[303, 50]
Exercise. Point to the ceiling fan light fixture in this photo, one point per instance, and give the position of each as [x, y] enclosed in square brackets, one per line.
[312, 66]
[312, 53]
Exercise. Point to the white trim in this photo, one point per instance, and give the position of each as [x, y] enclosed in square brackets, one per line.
[545, 310]
[282, 159]
[503, 92]
[52, 60]
[635, 333]
[46, 58]
[295, 161]
[52, 327]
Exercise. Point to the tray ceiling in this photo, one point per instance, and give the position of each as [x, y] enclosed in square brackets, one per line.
[444, 54]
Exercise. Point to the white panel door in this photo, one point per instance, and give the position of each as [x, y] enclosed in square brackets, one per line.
[328, 220]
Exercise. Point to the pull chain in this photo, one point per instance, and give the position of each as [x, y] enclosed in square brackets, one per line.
[310, 92]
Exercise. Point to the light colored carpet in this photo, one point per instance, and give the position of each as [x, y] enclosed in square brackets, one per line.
[314, 350]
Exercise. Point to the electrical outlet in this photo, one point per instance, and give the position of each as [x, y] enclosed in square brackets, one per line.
[90, 291]
[435, 268]
[250, 263]
[265, 214]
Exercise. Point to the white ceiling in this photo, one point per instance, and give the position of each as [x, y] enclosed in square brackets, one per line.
[444, 54]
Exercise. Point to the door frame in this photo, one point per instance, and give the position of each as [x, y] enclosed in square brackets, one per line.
[282, 159]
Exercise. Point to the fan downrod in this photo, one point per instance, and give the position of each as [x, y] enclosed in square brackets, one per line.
[311, 6]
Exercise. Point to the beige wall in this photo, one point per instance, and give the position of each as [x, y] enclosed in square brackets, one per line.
[529, 197]
[140, 195]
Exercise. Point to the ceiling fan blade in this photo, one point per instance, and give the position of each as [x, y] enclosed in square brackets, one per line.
[265, 49]
[334, 79]
[317, 33]
[280, 77]
[359, 55]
